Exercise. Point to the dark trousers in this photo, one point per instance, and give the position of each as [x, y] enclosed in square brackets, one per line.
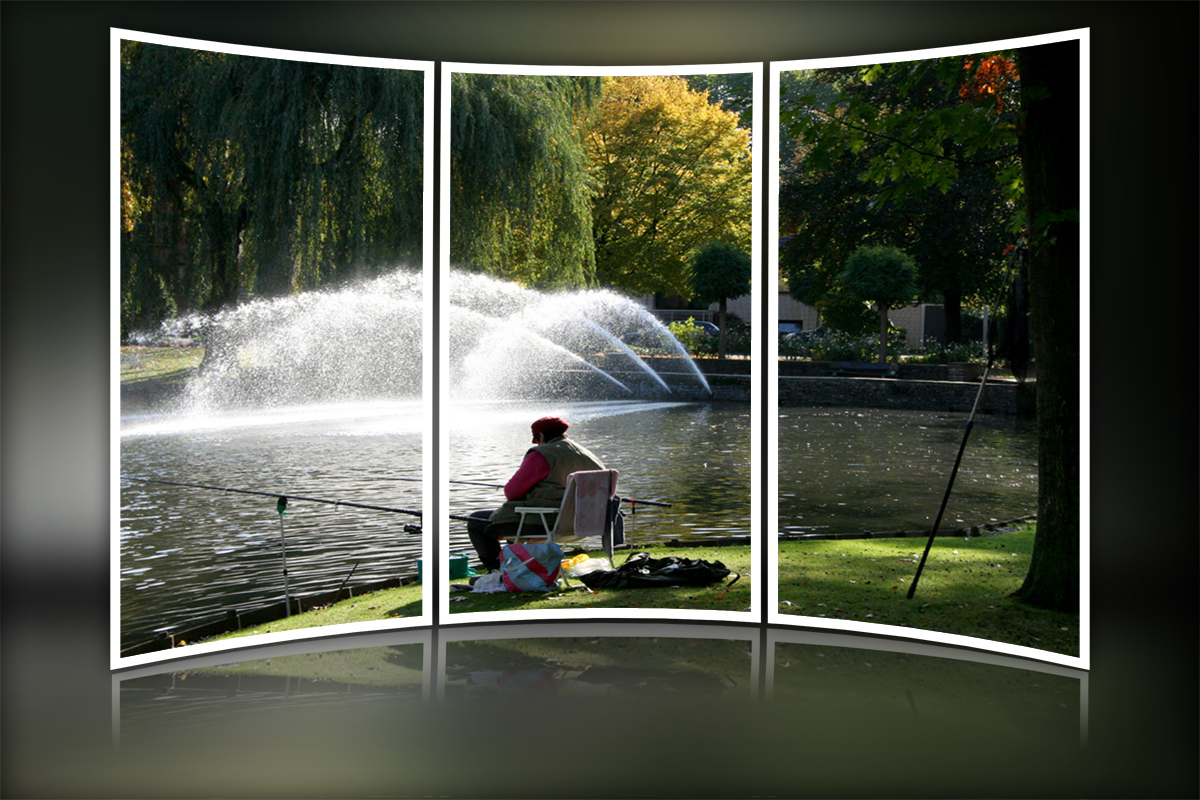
[485, 537]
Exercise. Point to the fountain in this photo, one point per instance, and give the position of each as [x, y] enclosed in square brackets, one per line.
[363, 343]
[320, 395]
[512, 343]
[355, 344]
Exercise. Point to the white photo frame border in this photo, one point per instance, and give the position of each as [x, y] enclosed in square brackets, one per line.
[116, 35]
[774, 616]
[753, 614]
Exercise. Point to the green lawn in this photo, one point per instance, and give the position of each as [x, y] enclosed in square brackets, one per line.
[158, 363]
[965, 588]
[717, 597]
[405, 601]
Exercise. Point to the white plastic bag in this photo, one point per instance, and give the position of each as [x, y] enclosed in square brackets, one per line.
[589, 565]
[491, 582]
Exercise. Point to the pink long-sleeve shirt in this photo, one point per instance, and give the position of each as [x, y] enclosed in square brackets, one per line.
[534, 469]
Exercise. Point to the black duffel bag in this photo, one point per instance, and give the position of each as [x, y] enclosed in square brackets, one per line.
[641, 571]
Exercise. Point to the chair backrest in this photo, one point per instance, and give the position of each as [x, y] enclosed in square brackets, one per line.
[585, 505]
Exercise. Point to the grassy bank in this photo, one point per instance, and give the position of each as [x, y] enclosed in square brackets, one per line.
[158, 363]
[717, 597]
[965, 588]
[405, 601]
[152, 378]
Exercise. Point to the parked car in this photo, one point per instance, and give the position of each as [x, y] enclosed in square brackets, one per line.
[799, 333]
[707, 327]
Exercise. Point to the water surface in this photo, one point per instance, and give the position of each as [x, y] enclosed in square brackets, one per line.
[854, 470]
[695, 456]
[189, 553]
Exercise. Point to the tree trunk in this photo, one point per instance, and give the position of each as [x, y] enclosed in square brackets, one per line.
[952, 308]
[883, 332]
[1050, 160]
[721, 330]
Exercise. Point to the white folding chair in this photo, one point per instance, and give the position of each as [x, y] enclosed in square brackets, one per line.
[586, 511]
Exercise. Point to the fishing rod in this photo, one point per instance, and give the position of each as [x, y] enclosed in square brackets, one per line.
[501, 486]
[912, 589]
[991, 355]
[281, 507]
[280, 496]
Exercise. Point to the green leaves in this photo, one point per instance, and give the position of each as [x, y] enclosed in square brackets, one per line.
[918, 155]
[245, 175]
[910, 119]
[520, 188]
[885, 276]
[720, 271]
[672, 173]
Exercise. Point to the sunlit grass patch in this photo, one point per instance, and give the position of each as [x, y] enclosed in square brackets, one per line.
[965, 588]
[158, 363]
[405, 601]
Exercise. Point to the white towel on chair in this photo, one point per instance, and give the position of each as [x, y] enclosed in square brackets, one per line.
[587, 507]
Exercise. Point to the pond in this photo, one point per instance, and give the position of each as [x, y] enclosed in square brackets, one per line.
[189, 553]
[848, 470]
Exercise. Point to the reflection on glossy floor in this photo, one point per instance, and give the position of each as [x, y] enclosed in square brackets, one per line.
[605, 709]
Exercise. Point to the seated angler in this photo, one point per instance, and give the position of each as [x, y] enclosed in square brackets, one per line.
[541, 480]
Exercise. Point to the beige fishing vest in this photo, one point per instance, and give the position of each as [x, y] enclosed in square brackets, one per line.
[564, 457]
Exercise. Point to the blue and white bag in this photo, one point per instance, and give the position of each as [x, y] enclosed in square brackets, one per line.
[531, 566]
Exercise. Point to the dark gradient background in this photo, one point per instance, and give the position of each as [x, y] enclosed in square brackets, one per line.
[54, 335]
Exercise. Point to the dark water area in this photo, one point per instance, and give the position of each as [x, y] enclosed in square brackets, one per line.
[854, 470]
[189, 553]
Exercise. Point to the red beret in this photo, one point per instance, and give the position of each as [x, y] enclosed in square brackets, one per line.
[551, 426]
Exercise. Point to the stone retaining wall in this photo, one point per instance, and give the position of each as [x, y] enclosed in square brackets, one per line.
[999, 397]
[1005, 397]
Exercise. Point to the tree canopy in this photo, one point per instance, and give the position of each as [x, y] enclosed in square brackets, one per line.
[734, 91]
[884, 276]
[244, 177]
[673, 173]
[845, 187]
[521, 192]
[253, 176]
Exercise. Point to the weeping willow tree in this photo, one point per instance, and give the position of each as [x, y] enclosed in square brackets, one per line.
[245, 176]
[520, 195]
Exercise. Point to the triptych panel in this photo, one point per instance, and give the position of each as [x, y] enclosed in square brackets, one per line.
[403, 346]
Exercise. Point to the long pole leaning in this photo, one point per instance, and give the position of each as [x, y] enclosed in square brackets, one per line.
[631, 501]
[276, 494]
[281, 507]
[912, 589]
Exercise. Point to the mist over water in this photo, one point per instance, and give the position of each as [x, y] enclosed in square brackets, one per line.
[364, 343]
